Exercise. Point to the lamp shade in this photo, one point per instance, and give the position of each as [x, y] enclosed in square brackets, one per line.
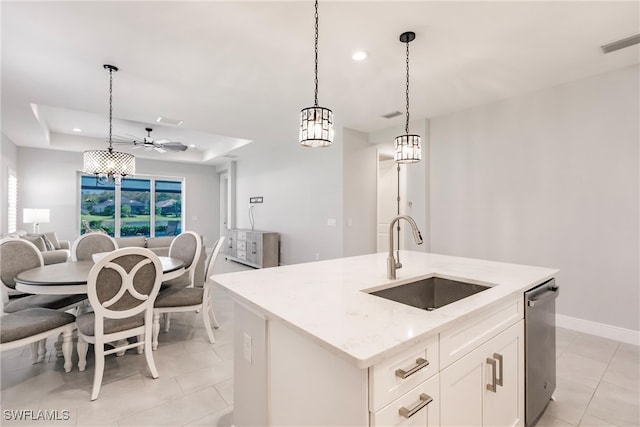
[408, 149]
[109, 163]
[35, 216]
[316, 127]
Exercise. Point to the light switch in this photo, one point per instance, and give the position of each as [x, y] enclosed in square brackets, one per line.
[331, 222]
[194, 217]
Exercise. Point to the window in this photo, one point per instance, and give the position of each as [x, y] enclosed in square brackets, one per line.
[126, 210]
[12, 203]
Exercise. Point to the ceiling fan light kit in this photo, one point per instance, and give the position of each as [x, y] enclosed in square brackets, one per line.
[109, 165]
[408, 147]
[316, 123]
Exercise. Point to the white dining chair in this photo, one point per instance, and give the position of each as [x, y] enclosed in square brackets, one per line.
[175, 299]
[122, 288]
[88, 244]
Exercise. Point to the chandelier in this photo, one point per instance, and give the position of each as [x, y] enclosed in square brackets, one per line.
[408, 147]
[316, 123]
[108, 165]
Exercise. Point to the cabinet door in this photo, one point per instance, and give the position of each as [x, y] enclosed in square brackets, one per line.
[252, 253]
[505, 406]
[461, 391]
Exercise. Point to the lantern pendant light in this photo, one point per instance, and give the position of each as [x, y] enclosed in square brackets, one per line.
[316, 123]
[408, 147]
[109, 165]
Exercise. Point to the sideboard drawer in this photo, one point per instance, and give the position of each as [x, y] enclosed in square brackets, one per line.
[417, 407]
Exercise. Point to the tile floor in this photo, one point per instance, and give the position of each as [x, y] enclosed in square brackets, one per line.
[598, 381]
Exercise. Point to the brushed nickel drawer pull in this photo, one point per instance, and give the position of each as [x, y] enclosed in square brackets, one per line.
[492, 386]
[420, 363]
[498, 357]
[425, 399]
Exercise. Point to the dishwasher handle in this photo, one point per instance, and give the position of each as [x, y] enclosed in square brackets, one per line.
[551, 293]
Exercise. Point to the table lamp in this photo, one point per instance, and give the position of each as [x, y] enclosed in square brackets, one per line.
[35, 216]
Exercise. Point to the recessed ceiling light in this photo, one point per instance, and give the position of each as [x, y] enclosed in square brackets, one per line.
[192, 145]
[76, 130]
[359, 55]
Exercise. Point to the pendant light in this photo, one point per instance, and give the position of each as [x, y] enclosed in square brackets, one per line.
[408, 147]
[109, 165]
[316, 123]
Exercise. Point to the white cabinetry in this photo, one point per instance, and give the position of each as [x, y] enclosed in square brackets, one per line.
[255, 248]
[487, 383]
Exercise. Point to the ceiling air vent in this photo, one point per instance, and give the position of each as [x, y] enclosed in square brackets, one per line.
[620, 44]
[392, 115]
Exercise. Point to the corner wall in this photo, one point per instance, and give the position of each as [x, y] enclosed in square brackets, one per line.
[550, 178]
[302, 190]
[8, 160]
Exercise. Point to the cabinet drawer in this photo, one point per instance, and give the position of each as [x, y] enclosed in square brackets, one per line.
[477, 329]
[242, 245]
[242, 235]
[427, 415]
[241, 254]
[385, 378]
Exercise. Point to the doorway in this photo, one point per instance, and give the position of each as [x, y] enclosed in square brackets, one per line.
[224, 197]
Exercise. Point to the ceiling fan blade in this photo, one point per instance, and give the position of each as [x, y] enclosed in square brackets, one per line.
[159, 150]
[162, 141]
[136, 147]
[175, 146]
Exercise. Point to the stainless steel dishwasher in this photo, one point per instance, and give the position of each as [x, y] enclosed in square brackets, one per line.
[540, 349]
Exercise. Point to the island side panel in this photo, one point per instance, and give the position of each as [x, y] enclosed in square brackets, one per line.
[250, 370]
[310, 385]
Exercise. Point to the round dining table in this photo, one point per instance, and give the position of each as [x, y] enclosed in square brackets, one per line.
[71, 277]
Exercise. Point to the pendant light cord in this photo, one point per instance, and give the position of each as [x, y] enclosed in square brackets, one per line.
[406, 126]
[316, 61]
[110, 106]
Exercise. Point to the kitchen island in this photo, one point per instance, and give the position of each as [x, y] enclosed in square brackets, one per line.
[313, 347]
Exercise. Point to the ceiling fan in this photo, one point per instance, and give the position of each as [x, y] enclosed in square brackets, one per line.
[148, 143]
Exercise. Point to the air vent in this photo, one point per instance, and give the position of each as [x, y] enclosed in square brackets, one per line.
[230, 156]
[620, 44]
[168, 121]
[392, 115]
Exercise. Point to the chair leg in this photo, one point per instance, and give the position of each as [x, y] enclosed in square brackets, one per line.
[83, 347]
[213, 317]
[98, 349]
[149, 355]
[207, 322]
[58, 346]
[156, 330]
[67, 348]
[42, 349]
[34, 351]
[167, 321]
[141, 346]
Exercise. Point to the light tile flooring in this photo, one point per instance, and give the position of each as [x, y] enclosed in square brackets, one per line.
[598, 381]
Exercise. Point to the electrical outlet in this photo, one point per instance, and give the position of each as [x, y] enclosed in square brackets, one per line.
[247, 348]
[317, 257]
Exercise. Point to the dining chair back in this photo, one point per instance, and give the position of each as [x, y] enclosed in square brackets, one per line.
[16, 255]
[33, 326]
[122, 287]
[92, 243]
[174, 299]
[186, 247]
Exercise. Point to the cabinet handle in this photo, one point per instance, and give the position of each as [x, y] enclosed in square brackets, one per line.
[498, 357]
[492, 386]
[253, 247]
[425, 399]
[420, 363]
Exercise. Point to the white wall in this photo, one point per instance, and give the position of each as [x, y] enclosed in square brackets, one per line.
[302, 189]
[49, 179]
[414, 181]
[550, 178]
[8, 160]
[359, 197]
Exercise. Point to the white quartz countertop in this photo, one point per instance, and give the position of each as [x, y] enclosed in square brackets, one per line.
[325, 301]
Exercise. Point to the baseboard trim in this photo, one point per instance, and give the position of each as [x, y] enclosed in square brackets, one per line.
[600, 329]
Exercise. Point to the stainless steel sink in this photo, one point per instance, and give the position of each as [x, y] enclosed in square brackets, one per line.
[430, 294]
